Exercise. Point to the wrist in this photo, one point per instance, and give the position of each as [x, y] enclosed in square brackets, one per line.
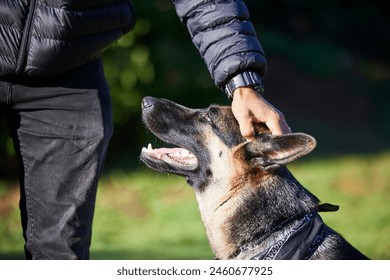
[244, 80]
[245, 93]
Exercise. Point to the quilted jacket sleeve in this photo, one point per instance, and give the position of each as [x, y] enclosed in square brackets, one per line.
[224, 35]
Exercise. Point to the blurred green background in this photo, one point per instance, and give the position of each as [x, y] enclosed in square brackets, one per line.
[328, 73]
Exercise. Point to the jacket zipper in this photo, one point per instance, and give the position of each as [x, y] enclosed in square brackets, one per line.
[22, 57]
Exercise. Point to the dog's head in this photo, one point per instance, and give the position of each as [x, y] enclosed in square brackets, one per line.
[209, 145]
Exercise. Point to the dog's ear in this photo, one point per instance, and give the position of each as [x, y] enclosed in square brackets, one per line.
[268, 151]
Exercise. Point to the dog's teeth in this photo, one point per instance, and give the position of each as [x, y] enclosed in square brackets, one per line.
[148, 149]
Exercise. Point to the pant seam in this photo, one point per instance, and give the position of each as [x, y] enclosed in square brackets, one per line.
[28, 200]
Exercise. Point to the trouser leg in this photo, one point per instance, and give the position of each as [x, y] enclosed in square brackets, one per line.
[61, 133]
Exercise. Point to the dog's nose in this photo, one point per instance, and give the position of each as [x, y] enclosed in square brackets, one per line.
[147, 102]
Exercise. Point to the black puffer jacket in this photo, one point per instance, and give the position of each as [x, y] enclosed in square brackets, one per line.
[224, 36]
[47, 37]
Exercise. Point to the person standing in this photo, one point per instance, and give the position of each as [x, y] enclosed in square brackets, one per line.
[56, 101]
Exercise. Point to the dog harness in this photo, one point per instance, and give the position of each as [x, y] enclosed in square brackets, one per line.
[299, 243]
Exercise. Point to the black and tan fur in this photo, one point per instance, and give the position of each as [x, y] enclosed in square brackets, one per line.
[243, 188]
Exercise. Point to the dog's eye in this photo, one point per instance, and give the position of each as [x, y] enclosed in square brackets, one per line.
[206, 117]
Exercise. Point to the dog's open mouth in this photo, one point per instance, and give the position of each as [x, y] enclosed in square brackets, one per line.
[176, 157]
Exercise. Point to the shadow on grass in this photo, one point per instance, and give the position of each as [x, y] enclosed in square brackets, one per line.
[160, 252]
[150, 254]
[12, 256]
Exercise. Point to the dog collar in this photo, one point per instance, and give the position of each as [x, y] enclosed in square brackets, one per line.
[299, 243]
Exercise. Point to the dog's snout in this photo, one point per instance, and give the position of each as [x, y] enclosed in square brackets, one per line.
[147, 102]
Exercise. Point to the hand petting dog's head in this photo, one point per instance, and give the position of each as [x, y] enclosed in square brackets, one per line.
[207, 139]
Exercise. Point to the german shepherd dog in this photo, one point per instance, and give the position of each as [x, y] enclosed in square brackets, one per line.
[251, 205]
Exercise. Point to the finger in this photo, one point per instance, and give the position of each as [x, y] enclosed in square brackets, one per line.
[278, 128]
[247, 130]
[284, 126]
[278, 124]
[274, 127]
[286, 129]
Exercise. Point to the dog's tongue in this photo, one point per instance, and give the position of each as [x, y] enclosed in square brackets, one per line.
[179, 154]
[167, 150]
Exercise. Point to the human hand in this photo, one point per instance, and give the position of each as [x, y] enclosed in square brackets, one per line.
[250, 108]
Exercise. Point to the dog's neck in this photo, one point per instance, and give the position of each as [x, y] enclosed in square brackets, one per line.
[234, 213]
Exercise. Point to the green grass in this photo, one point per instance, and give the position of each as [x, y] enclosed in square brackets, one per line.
[152, 216]
[147, 215]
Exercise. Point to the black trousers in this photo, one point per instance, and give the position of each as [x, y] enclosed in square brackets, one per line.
[61, 126]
